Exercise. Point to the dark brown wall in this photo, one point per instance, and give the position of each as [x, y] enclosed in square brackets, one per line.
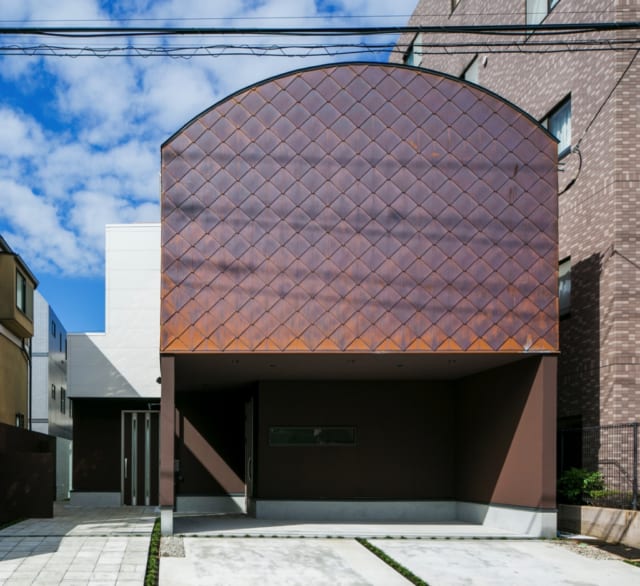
[505, 440]
[405, 441]
[97, 443]
[486, 438]
[28, 480]
[210, 443]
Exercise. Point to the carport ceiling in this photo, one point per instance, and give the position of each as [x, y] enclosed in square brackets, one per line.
[210, 371]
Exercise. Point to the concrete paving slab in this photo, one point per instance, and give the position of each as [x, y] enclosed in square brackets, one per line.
[271, 562]
[505, 563]
[78, 546]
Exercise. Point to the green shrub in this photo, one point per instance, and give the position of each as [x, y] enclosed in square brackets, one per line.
[613, 498]
[578, 486]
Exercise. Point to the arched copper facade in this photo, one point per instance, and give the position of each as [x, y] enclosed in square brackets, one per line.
[360, 207]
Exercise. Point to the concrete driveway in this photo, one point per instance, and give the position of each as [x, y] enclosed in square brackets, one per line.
[272, 561]
[507, 563]
[226, 561]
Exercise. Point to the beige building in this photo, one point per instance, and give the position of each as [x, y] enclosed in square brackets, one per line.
[17, 284]
[589, 101]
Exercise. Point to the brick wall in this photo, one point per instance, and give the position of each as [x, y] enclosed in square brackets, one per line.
[599, 218]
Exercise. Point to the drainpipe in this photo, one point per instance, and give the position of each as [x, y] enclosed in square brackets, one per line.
[30, 396]
[634, 504]
[27, 353]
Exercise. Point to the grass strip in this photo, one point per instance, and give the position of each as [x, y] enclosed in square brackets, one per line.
[405, 572]
[153, 559]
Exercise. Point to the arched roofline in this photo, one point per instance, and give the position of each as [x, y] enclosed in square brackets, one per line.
[350, 64]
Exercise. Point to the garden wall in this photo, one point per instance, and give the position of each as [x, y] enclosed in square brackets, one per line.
[610, 525]
[28, 478]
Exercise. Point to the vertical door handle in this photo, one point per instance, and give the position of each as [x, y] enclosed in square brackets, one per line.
[125, 468]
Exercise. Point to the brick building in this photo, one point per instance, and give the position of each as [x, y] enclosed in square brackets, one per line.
[589, 100]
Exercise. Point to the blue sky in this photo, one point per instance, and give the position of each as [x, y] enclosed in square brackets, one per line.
[80, 138]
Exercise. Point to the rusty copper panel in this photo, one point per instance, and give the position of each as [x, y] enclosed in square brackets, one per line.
[360, 207]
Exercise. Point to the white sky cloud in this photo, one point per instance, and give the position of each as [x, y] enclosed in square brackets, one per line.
[38, 234]
[21, 135]
[175, 92]
[36, 10]
[80, 138]
[101, 94]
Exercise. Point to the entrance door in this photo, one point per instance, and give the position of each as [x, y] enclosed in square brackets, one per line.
[249, 461]
[140, 458]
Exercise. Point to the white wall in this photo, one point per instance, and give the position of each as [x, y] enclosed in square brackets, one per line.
[124, 360]
[40, 365]
[64, 451]
[39, 394]
[40, 340]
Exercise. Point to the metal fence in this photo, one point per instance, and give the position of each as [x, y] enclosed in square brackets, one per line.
[611, 451]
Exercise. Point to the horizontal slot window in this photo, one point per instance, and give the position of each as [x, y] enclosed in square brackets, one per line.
[312, 436]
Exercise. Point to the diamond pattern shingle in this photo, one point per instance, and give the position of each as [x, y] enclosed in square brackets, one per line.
[364, 208]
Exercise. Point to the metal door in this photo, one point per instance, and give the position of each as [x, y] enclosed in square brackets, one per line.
[140, 455]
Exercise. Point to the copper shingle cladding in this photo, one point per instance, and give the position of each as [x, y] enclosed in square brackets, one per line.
[360, 207]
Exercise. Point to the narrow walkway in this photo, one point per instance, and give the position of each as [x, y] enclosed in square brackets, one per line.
[80, 546]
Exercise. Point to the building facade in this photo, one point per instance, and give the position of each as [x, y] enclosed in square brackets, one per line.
[114, 378]
[17, 285]
[359, 309]
[27, 458]
[588, 99]
[51, 411]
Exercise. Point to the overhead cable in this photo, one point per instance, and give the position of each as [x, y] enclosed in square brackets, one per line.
[105, 32]
[319, 49]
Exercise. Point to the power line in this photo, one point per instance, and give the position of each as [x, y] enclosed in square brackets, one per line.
[106, 32]
[336, 49]
[523, 39]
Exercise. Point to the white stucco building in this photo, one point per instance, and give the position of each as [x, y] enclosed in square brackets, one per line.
[114, 377]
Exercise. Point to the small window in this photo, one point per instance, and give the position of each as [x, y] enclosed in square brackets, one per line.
[312, 436]
[53, 391]
[53, 328]
[21, 292]
[60, 342]
[63, 400]
[471, 71]
[537, 10]
[19, 419]
[564, 287]
[414, 54]
[558, 123]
